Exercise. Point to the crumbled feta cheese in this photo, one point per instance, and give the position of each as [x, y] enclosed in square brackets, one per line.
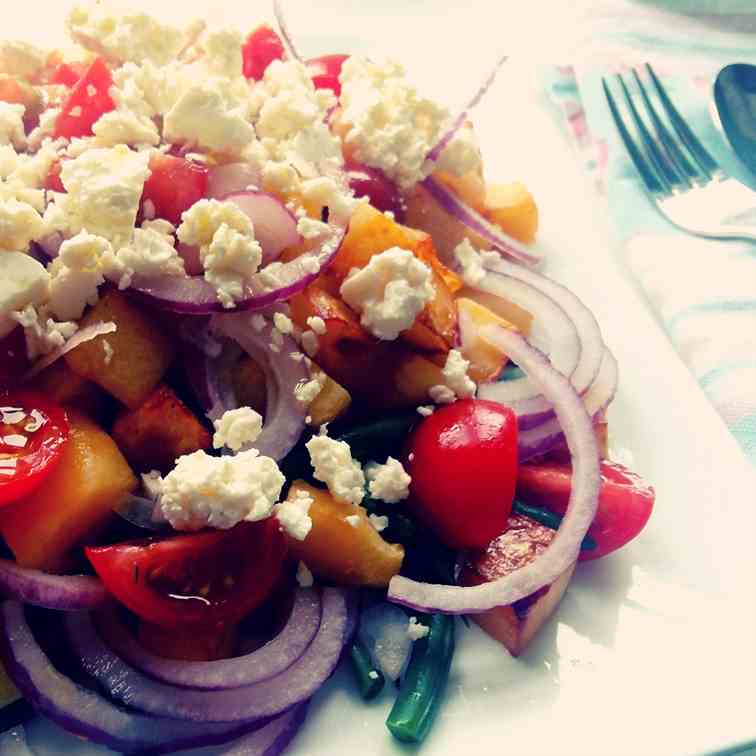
[283, 323]
[373, 675]
[317, 324]
[236, 428]
[353, 520]
[43, 334]
[426, 410]
[150, 253]
[416, 630]
[23, 282]
[293, 515]
[158, 225]
[462, 154]
[455, 373]
[77, 273]
[127, 37]
[258, 322]
[388, 482]
[125, 127]
[152, 484]
[391, 126]
[306, 393]
[21, 59]
[333, 465]
[311, 229]
[441, 394]
[12, 125]
[223, 52]
[202, 115]
[304, 576]
[470, 263]
[220, 492]
[108, 350]
[324, 191]
[104, 187]
[200, 222]
[379, 522]
[389, 292]
[310, 343]
[19, 224]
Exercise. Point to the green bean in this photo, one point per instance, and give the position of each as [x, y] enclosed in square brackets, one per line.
[369, 679]
[422, 689]
[549, 519]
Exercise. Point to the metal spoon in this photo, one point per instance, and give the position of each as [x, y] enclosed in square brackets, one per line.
[735, 100]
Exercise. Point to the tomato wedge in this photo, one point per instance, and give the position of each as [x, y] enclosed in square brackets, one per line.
[207, 578]
[261, 48]
[325, 70]
[33, 431]
[625, 501]
[89, 99]
[174, 185]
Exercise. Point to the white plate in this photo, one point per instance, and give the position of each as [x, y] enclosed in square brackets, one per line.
[652, 651]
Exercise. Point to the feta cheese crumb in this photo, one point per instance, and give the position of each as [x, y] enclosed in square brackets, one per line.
[310, 343]
[152, 484]
[373, 675]
[23, 282]
[236, 428]
[311, 229]
[21, 59]
[317, 324]
[304, 576]
[333, 465]
[108, 350]
[455, 373]
[470, 263]
[150, 253]
[441, 394]
[223, 52]
[389, 292]
[125, 127]
[258, 322]
[379, 522]
[388, 482]
[19, 224]
[220, 492]
[283, 323]
[353, 520]
[426, 410]
[293, 515]
[306, 393]
[43, 334]
[12, 125]
[416, 630]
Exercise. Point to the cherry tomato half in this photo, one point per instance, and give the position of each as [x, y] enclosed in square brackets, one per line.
[625, 501]
[325, 70]
[207, 578]
[33, 431]
[261, 48]
[89, 99]
[463, 463]
[174, 185]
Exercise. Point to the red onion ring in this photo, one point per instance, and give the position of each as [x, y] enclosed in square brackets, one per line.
[275, 225]
[565, 548]
[67, 592]
[248, 704]
[195, 296]
[439, 147]
[50, 245]
[86, 713]
[285, 414]
[80, 337]
[229, 178]
[274, 738]
[283, 28]
[273, 658]
[543, 438]
[471, 218]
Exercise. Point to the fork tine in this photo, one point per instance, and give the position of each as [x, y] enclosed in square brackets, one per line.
[691, 141]
[660, 162]
[677, 157]
[653, 183]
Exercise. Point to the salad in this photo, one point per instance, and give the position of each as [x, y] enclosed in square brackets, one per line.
[282, 388]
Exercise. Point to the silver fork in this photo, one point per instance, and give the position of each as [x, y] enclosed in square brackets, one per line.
[680, 176]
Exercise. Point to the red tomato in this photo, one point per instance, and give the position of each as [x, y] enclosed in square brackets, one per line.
[463, 463]
[625, 501]
[262, 47]
[325, 70]
[33, 431]
[174, 186]
[13, 358]
[68, 73]
[53, 180]
[216, 576]
[89, 99]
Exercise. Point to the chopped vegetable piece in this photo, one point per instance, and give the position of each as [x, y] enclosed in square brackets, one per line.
[369, 679]
[262, 47]
[512, 207]
[89, 99]
[174, 185]
[424, 682]
[325, 71]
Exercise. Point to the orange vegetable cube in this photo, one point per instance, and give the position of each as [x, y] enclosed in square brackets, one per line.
[512, 207]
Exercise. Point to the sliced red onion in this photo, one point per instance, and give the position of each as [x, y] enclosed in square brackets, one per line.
[223, 180]
[275, 225]
[565, 548]
[284, 414]
[195, 296]
[471, 218]
[552, 332]
[283, 28]
[86, 713]
[383, 631]
[250, 703]
[67, 592]
[80, 337]
[273, 658]
[545, 437]
[50, 244]
[456, 124]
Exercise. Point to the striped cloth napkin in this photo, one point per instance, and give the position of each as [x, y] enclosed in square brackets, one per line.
[703, 292]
